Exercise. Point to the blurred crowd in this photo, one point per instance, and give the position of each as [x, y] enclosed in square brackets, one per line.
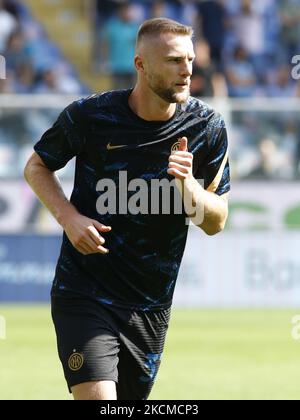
[243, 47]
[265, 145]
[33, 63]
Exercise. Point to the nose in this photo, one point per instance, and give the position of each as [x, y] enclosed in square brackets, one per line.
[187, 69]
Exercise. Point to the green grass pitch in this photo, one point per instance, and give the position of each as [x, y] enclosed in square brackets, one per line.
[209, 354]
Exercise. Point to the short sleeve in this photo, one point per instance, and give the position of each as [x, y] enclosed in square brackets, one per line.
[64, 140]
[215, 169]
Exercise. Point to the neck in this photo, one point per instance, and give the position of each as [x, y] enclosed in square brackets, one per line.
[149, 106]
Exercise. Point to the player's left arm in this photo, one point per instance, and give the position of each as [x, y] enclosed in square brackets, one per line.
[206, 209]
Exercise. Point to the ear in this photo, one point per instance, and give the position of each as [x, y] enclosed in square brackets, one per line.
[139, 65]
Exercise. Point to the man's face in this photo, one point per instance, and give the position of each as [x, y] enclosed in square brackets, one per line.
[168, 65]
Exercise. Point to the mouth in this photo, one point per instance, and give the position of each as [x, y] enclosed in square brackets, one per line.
[182, 85]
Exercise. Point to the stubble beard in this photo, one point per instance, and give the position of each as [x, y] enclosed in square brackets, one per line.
[157, 85]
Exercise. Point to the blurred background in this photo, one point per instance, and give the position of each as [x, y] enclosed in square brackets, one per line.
[238, 292]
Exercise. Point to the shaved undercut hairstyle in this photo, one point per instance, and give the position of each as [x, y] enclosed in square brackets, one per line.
[158, 26]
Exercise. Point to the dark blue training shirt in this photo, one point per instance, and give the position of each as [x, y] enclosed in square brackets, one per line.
[141, 268]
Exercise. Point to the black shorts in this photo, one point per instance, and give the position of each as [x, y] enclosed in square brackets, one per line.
[100, 342]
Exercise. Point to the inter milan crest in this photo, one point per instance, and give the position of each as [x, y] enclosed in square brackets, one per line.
[75, 361]
[175, 147]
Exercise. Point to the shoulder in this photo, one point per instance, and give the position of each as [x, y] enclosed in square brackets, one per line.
[101, 100]
[204, 112]
[211, 121]
[96, 104]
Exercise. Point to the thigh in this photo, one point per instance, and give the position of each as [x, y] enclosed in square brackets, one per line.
[142, 344]
[98, 390]
[87, 341]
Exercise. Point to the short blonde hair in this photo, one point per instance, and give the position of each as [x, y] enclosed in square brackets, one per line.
[158, 26]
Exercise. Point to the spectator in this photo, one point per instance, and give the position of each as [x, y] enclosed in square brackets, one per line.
[52, 81]
[25, 79]
[241, 75]
[172, 9]
[212, 21]
[249, 30]
[206, 81]
[6, 85]
[13, 7]
[268, 165]
[159, 9]
[290, 26]
[119, 36]
[16, 53]
[7, 25]
[248, 26]
[283, 86]
[106, 9]
[289, 142]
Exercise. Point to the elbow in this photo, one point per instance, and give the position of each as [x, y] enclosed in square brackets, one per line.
[27, 171]
[32, 167]
[211, 231]
[215, 228]
[216, 223]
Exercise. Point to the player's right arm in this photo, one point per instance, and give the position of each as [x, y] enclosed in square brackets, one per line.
[83, 233]
[57, 146]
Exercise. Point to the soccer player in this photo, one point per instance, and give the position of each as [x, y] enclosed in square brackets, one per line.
[116, 273]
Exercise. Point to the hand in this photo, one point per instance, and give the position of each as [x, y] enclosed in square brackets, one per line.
[181, 162]
[84, 235]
